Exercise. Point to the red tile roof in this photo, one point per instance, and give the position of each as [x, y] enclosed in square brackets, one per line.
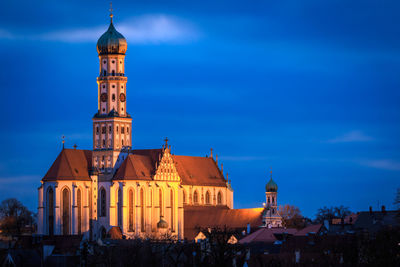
[266, 235]
[139, 165]
[199, 171]
[209, 216]
[314, 228]
[71, 164]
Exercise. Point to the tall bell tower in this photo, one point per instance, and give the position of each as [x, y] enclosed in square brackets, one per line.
[112, 125]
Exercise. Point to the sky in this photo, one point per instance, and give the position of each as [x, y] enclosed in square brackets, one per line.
[309, 88]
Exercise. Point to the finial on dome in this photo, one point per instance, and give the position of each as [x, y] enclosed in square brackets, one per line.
[111, 10]
[63, 140]
[271, 171]
[166, 141]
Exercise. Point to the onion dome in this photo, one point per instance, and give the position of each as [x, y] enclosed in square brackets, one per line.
[162, 224]
[271, 186]
[111, 42]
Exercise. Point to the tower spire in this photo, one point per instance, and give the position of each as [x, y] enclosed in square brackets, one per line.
[111, 10]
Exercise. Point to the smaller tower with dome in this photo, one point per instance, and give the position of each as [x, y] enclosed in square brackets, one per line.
[271, 216]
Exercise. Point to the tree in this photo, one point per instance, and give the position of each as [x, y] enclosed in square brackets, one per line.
[14, 216]
[326, 213]
[291, 216]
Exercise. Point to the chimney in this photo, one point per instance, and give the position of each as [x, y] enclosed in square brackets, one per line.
[383, 209]
[370, 209]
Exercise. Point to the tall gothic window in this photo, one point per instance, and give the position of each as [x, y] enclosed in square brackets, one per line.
[103, 202]
[219, 198]
[119, 207]
[172, 209]
[130, 219]
[142, 221]
[65, 211]
[208, 198]
[160, 202]
[50, 211]
[79, 203]
[195, 197]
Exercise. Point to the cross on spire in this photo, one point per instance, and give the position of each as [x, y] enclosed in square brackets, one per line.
[111, 10]
[63, 140]
[166, 141]
[271, 172]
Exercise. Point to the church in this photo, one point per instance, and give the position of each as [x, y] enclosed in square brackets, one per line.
[143, 192]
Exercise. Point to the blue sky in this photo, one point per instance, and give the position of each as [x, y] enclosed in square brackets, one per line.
[310, 88]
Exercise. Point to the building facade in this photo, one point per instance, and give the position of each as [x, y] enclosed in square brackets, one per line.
[143, 192]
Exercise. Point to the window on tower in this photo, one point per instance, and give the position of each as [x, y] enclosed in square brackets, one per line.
[127, 129]
[97, 129]
[104, 73]
[122, 130]
[104, 143]
[113, 73]
[113, 97]
[117, 129]
[113, 62]
[109, 129]
[122, 142]
[113, 86]
[103, 130]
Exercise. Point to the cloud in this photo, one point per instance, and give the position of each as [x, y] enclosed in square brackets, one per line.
[138, 30]
[17, 180]
[242, 158]
[385, 164]
[353, 136]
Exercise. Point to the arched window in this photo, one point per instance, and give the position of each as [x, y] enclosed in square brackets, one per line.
[195, 197]
[65, 211]
[184, 196]
[172, 209]
[130, 210]
[79, 203]
[219, 198]
[269, 201]
[160, 202]
[142, 226]
[273, 200]
[103, 204]
[50, 211]
[119, 207]
[208, 198]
